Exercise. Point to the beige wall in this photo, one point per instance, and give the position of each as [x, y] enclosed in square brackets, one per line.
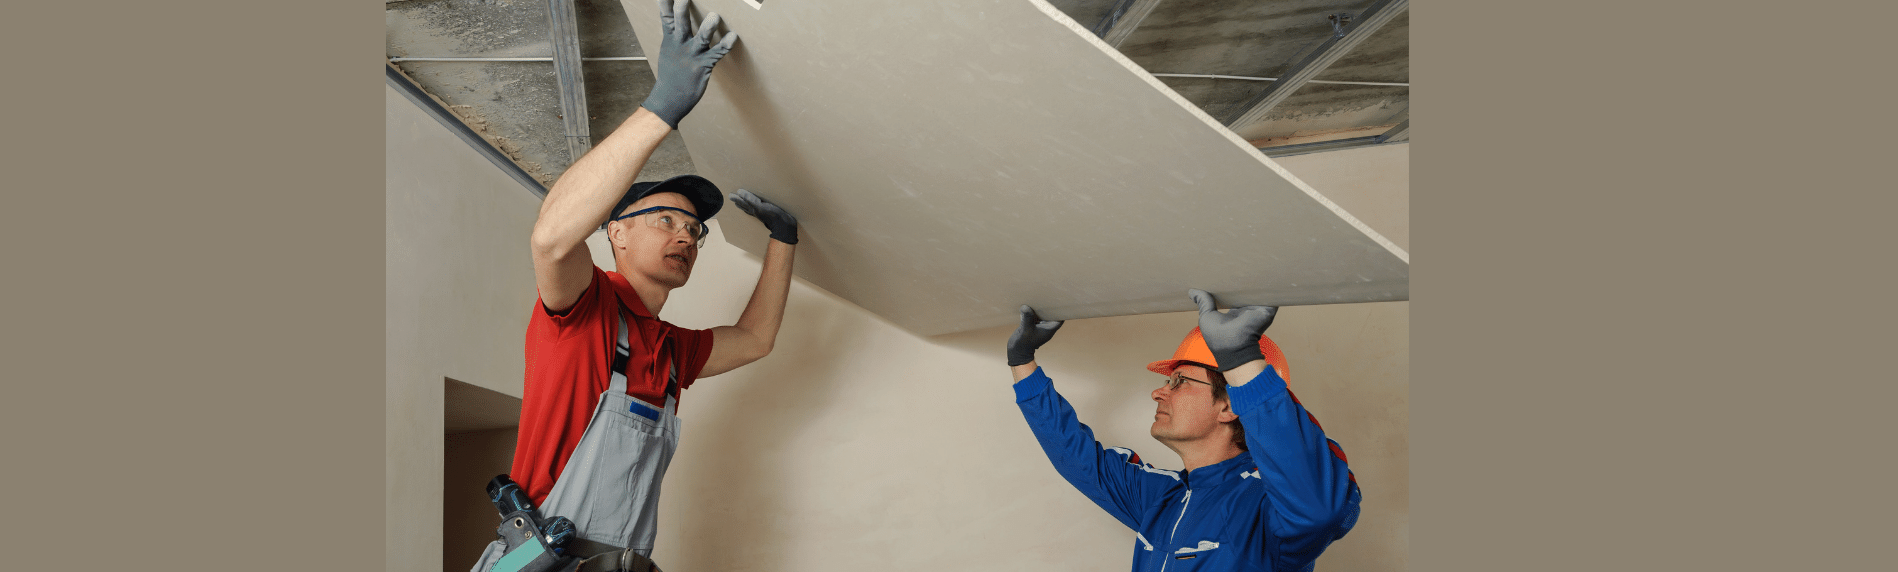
[854, 446]
[458, 273]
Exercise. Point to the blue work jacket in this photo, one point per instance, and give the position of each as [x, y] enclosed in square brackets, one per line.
[1275, 507]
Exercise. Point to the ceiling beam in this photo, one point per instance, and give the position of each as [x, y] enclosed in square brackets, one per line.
[1398, 134]
[1320, 58]
[414, 93]
[565, 34]
[1332, 145]
[1122, 20]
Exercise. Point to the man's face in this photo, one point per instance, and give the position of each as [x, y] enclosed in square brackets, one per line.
[664, 257]
[1188, 412]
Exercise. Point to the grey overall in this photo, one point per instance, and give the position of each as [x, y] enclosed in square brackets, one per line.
[610, 486]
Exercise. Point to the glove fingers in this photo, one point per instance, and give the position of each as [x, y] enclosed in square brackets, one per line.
[724, 45]
[1204, 299]
[1028, 317]
[705, 29]
[743, 200]
[1261, 314]
[681, 17]
[665, 17]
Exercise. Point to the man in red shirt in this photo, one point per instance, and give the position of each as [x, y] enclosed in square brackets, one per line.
[604, 373]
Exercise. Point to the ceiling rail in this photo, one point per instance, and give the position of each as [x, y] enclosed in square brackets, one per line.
[1329, 51]
[414, 93]
[564, 31]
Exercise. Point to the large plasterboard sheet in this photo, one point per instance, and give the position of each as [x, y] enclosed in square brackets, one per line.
[953, 160]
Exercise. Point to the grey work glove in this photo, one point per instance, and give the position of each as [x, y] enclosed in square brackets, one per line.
[1029, 336]
[685, 61]
[782, 225]
[1233, 336]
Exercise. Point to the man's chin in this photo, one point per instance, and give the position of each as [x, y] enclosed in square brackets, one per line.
[671, 277]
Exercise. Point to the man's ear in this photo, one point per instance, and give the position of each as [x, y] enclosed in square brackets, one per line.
[1225, 414]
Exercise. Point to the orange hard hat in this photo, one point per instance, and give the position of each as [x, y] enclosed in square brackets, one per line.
[1193, 349]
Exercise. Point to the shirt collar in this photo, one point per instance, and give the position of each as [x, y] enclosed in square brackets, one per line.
[628, 297]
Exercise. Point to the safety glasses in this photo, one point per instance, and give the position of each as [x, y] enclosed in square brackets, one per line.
[1173, 381]
[672, 223]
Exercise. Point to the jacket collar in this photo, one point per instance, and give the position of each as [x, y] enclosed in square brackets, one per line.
[1221, 472]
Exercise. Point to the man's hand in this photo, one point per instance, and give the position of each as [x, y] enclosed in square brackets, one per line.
[757, 329]
[1029, 336]
[1234, 336]
[684, 65]
[782, 225]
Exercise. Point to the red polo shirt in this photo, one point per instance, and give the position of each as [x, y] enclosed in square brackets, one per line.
[569, 362]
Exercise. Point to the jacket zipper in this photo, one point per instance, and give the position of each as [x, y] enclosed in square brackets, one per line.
[1164, 555]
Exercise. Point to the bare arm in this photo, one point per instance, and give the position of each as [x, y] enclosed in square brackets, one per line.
[1243, 374]
[579, 202]
[581, 199]
[757, 328]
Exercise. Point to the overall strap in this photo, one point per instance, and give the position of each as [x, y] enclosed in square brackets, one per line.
[622, 354]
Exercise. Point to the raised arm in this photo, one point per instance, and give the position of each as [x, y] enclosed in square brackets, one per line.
[580, 200]
[757, 329]
[578, 204]
[1314, 496]
[1113, 477]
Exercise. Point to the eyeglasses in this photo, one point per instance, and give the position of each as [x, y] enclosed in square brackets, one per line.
[1173, 381]
[672, 223]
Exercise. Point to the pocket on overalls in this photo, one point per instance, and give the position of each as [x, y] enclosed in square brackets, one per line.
[610, 486]
[640, 416]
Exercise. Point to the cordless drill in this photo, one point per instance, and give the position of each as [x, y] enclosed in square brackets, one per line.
[533, 544]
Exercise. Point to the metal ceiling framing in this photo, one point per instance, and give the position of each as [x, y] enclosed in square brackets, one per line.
[441, 33]
[1321, 146]
[1123, 19]
[1398, 134]
[414, 93]
[1334, 47]
[564, 32]
[1392, 136]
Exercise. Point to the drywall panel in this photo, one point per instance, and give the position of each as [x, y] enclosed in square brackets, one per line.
[953, 160]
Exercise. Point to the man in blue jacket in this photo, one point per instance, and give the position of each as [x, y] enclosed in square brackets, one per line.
[1262, 489]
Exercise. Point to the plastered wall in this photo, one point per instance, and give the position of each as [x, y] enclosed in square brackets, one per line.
[854, 446]
[458, 270]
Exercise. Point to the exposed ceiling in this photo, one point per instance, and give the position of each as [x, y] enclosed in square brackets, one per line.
[516, 106]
